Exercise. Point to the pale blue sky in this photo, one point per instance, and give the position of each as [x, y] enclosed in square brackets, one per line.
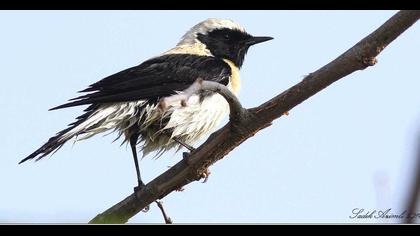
[349, 146]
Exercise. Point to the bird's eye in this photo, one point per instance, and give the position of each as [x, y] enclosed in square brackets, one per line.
[226, 36]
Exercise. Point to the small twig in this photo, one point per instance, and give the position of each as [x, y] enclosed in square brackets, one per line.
[166, 217]
[236, 109]
[182, 96]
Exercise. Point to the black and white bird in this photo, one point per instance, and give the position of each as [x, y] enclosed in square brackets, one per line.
[128, 102]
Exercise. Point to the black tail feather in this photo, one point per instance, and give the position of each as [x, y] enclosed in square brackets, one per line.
[56, 142]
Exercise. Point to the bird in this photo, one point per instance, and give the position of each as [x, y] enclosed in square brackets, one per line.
[127, 102]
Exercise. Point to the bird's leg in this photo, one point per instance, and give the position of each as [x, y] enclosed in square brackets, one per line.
[190, 148]
[133, 142]
[185, 155]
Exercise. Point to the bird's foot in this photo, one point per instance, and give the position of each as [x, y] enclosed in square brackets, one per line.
[139, 187]
[186, 157]
[146, 209]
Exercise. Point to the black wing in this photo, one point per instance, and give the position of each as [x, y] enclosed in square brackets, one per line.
[153, 79]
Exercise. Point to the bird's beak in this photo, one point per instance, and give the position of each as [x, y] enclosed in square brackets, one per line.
[259, 39]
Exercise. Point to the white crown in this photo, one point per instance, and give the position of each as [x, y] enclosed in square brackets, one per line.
[206, 26]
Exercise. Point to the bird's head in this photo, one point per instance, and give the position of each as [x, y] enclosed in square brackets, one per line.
[223, 38]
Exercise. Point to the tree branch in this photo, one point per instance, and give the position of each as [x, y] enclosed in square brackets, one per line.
[221, 142]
